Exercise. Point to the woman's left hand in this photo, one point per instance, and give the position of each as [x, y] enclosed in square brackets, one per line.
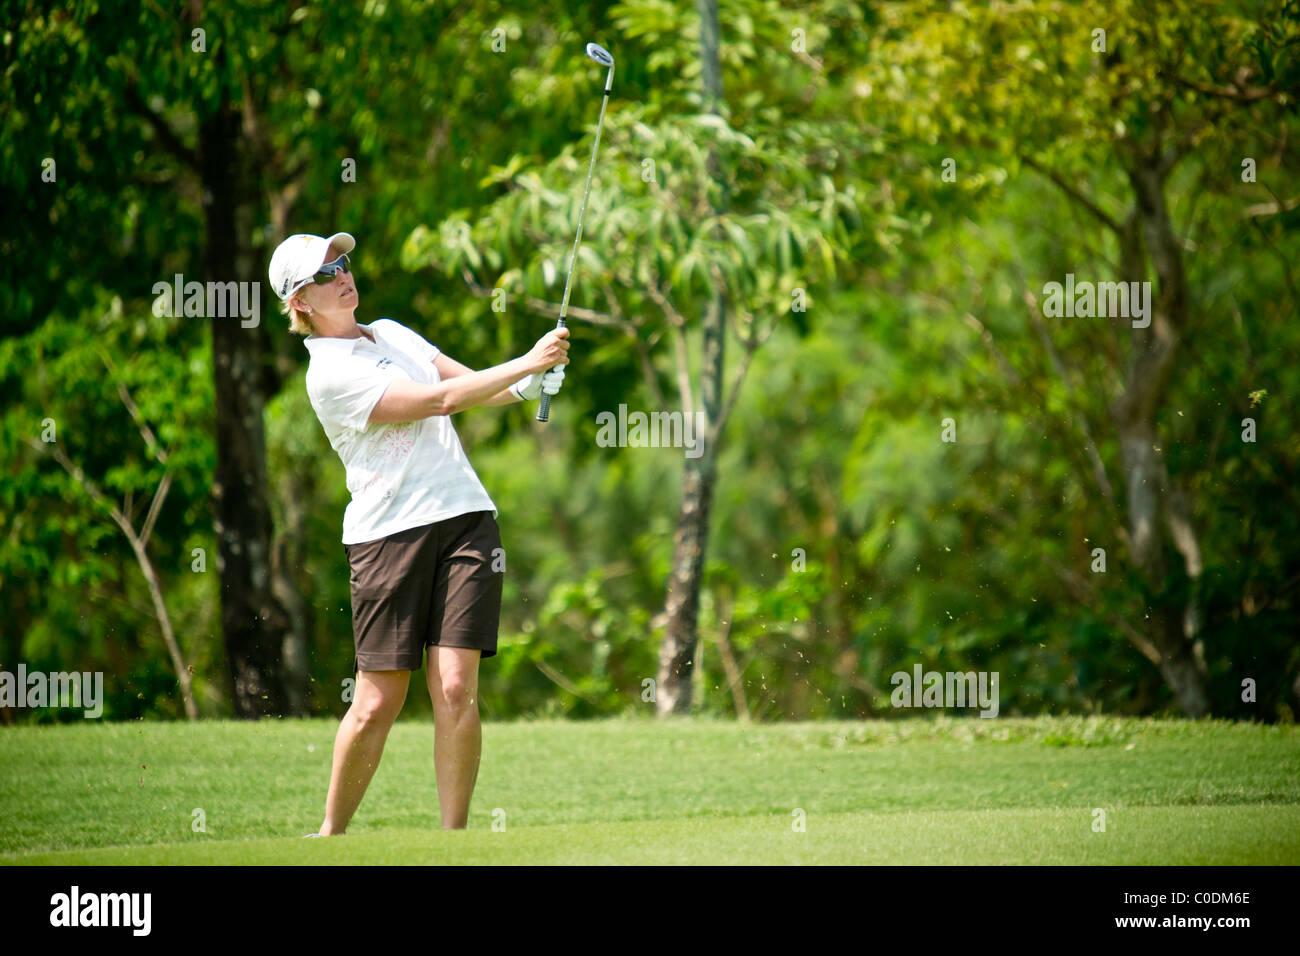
[552, 380]
[532, 386]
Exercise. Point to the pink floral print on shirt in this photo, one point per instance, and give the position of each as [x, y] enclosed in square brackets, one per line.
[398, 440]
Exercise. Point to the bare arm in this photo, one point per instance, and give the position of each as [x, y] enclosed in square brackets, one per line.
[407, 401]
[448, 367]
[503, 397]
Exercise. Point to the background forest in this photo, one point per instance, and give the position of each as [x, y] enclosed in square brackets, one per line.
[831, 226]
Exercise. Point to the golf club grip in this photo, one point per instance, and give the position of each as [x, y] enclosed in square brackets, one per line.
[544, 413]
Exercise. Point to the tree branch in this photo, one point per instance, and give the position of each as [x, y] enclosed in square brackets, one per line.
[162, 129]
[1086, 594]
[730, 668]
[1238, 93]
[681, 346]
[642, 350]
[1270, 208]
[752, 344]
[151, 443]
[1072, 192]
[543, 307]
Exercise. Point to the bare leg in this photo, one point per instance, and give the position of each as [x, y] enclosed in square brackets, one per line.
[360, 743]
[458, 734]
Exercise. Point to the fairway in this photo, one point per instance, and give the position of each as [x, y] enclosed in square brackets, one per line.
[971, 791]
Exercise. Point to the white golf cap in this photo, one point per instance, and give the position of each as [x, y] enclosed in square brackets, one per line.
[299, 257]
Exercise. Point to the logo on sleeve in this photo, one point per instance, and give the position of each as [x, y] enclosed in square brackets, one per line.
[383, 362]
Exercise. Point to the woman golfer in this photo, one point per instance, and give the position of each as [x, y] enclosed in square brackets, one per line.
[420, 532]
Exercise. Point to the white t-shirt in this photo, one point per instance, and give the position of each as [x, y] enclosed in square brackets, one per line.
[402, 475]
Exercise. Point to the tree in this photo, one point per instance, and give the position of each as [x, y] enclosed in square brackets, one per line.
[1061, 96]
[137, 537]
[690, 543]
[734, 214]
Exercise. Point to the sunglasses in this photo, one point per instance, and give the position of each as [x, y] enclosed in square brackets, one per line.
[326, 274]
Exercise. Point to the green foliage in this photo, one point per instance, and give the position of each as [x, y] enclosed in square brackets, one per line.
[71, 580]
[830, 156]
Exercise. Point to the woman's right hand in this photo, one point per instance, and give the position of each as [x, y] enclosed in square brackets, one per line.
[551, 350]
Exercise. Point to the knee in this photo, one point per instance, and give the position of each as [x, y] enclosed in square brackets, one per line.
[458, 696]
[375, 712]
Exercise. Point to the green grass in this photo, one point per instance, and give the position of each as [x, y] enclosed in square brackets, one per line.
[694, 791]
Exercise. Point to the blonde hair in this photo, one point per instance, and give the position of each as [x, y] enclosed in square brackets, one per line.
[299, 323]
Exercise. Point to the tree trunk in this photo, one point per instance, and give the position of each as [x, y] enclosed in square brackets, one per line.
[1155, 507]
[682, 604]
[690, 542]
[286, 565]
[253, 622]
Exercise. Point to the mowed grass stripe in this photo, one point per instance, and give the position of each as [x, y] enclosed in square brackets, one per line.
[94, 784]
[1138, 836]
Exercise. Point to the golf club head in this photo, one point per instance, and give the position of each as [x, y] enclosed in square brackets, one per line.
[599, 54]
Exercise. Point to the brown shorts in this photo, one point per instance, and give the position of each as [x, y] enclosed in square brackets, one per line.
[428, 585]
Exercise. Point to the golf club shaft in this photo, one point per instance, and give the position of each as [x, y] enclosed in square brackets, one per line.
[544, 412]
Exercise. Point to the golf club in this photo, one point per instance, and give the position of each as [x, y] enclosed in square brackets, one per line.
[601, 56]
